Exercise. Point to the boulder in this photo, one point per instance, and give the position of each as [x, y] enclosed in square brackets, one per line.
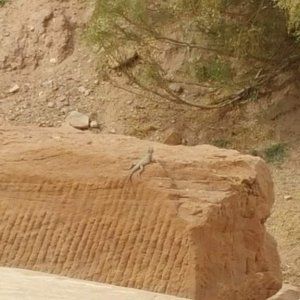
[192, 225]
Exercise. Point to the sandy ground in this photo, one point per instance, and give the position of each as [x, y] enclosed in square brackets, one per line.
[18, 284]
[284, 222]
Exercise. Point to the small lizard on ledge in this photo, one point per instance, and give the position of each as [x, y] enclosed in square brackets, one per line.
[139, 165]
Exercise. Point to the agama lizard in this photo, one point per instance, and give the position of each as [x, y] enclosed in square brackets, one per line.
[139, 165]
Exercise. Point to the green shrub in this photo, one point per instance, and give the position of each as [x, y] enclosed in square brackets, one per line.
[2, 2]
[209, 40]
[214, 70]
[275, 153]
[292, 8]
[221, 143]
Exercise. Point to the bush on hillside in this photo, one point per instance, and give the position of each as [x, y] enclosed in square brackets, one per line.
[221, 44]
[292, 9]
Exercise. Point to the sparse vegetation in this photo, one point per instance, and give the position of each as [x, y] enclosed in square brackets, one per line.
[221, 143]
[2, 2]
[275, 153]
[254, 152]
[292, 8]
[214, 70]
[214, 39]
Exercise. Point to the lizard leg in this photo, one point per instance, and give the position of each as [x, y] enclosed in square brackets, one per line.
[133, 170]
[141, 170]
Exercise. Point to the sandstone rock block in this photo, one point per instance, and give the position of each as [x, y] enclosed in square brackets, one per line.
[192, 226]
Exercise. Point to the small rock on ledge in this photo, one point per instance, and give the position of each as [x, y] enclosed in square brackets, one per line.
[78, 120]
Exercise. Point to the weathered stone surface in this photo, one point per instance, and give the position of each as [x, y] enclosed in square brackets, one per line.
[42, 286]
[14, 89]
[78, 120]
[173, 137]
[191, 226]
[94, 124]
[176, 88]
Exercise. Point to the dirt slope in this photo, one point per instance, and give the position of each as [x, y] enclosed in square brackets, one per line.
[284, 222]
[38, 54]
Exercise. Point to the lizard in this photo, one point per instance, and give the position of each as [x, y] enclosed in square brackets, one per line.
[139, 165]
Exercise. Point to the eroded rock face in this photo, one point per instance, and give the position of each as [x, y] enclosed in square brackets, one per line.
[191, 226]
